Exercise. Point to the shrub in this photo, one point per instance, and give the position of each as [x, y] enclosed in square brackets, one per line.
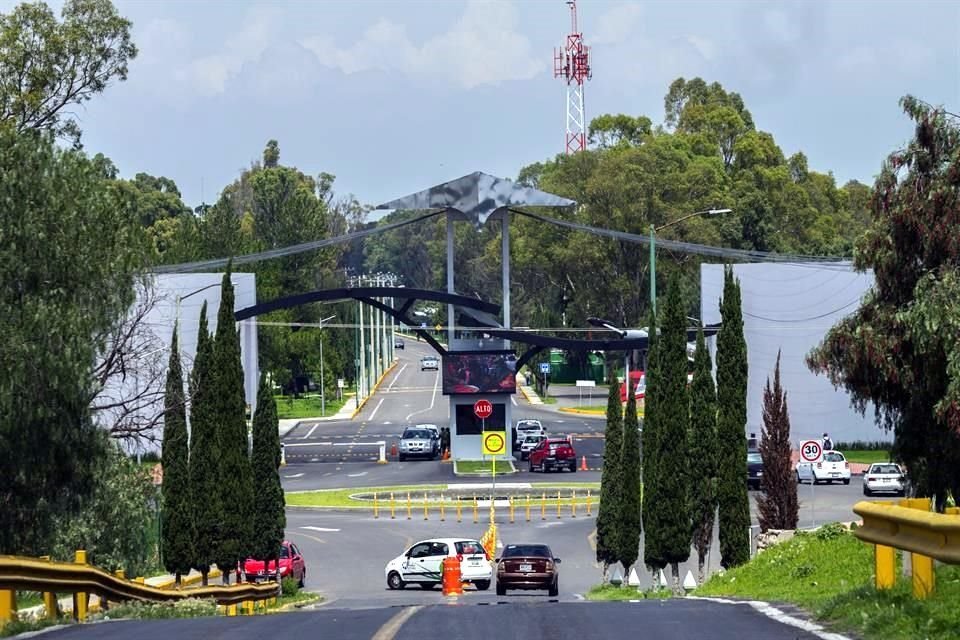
[289, 587]
[187, 608]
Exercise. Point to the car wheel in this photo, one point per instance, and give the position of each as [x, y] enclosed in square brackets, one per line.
[846, 481]
[501, 589]
[426, 586]
[554, 588]
[482, 585]
[303, 579]
[799, 481]
[866, 491]
[394, 581]
[573, 467]
[530, 467]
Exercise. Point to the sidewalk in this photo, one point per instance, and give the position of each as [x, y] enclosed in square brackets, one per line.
[528, 393]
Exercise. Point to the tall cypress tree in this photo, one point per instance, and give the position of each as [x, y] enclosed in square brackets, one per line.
[204, 454]
[732, 500]
[236, 477]
[703, 452]
[271, 518]
[611, 482]
[778, 506]
[653, 546]
[631, 514]
[178, 534]
[672, 505]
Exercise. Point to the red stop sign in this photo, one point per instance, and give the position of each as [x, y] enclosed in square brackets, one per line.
[482, 409]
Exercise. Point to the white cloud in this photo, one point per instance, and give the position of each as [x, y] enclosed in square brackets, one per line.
[616, 25]
[482, 47]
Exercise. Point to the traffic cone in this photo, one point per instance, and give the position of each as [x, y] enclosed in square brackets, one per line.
[583, 464]
[446, 454]
[393, 450]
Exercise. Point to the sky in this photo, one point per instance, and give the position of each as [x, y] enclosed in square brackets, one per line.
[393, 97]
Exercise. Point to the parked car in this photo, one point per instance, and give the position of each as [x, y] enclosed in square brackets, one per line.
[525, 428]
[433, 429]
[398, 344]
[832, 467]
[418, 443]
[553, 454]
[292, 565]
[422, 563]
[528, 566]
[429, 362]
[884, 477]
[754, 469]
[529, 444]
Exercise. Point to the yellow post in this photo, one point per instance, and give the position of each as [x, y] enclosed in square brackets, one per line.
[924, 579]
[80, 598]
[510, 501]
[50, 599]
[120, 573]
[558, 505]
[8, 605]
[458, 509]
[138, 579]
[425, 506]
[393, 506]
[543, 506]
[409, 507]
[884, 559]
[573, 504]
[231, 609]
[588, 503]
[376, 511]
[476, 514]
[528, 507]
[442, 515]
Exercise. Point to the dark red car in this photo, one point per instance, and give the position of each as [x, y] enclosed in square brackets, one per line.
[553, 454]
[528, 566]
[292, 565]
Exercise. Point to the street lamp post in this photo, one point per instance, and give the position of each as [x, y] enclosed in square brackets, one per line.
[653, 250]
[323, 396]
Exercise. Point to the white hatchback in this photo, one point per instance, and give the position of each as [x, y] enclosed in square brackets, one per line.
[422, 563]
[832, 467]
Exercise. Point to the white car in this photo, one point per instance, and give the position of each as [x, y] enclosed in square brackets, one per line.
[528, 427]
[432, 428]
[422, 563]
[884, 477]
[529, 444]
[429, 362]
[832, 467]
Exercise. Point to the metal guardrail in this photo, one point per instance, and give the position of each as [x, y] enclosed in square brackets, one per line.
[19, 573]
[911, 527]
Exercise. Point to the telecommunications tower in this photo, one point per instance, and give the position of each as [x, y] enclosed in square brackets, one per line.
[572, 63]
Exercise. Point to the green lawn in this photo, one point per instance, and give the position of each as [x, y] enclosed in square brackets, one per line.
[609, 592]
[866, 457]
[307, 406]
[504, 467]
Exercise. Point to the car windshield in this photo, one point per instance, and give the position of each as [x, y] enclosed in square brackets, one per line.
[754, 457]
[527, 551]
[416, 433]
[467, 547]
[528, 426]
[532, 439]
[833, 456]
[428, 359]
[885, 468]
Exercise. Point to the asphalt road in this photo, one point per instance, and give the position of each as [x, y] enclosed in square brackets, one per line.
[671, 619]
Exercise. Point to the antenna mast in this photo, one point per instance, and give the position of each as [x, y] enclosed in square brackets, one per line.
[572, 63]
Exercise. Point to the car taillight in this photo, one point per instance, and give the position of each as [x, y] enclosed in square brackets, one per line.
[846, 465]
[870, 479]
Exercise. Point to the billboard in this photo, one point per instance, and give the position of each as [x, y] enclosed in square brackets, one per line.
[479, 372]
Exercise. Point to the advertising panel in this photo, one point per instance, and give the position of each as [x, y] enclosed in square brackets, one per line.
[465, 373]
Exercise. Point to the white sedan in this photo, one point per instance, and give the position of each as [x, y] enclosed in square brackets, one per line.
[884, 477]
[832, 467]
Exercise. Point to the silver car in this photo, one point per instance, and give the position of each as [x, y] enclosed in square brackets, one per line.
[418, 443]
[429, 362]
[884, 477]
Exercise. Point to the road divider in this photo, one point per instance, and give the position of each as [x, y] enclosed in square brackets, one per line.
[435, 503]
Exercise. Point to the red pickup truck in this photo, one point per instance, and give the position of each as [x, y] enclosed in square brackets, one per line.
[292, 565]
[553, 454]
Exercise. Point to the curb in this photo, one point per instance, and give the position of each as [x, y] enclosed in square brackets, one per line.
[376, 386]
[585, 412]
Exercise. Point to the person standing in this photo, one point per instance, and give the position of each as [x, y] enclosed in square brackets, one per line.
[827, 443]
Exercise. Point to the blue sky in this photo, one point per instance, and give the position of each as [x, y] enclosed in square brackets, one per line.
[392, 97]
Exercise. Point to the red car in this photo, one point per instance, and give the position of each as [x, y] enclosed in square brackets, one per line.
[553, 454]
[291, 566]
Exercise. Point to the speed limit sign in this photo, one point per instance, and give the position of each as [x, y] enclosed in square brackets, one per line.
[810, 450]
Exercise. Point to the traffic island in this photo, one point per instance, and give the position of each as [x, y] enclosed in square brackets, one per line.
[482, 468]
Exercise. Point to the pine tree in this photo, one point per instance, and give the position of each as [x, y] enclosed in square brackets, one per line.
[204, 454]
[178, 534]
[777, 505]
[630, 526]
[611, 482]
[271, 518]
[732, 500]
[653, 547]
[236, 477]
[673, 421]
[703, 452]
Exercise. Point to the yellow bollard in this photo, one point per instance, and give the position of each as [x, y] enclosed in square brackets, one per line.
[393, 505]
[138, 580]
[573, 505]
[409, 507]
[80, 599]
[924, 579]
[376, 511]
[558, 505]
[528, 507]
[588, 503]
[458, 509]
[8, 605]
[120, 573]
[543, 506]
[884, 560]
[510, 501]
[231, 610]
[476, 515]
[442, 515]
[425, 506]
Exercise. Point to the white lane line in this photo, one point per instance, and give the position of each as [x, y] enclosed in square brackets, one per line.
[391, 628]
[356, 475]
[296, 475]
[433, 399]
[310, 433]
[321, 529]
[397, 377]
[513, 399]
[780, 616]
[307, 444]
[377, 408]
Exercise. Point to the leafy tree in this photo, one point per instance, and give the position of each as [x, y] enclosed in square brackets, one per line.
[654, 552]
[732, 499]
[899, 351]
[702, 464]
[178, 533]
[48, 68]
[229, 402]
[270, 518]
[671, 511]
[778, 505]
[610, 130]
[205, 453]
[630, 516]
[68, 258]
[611, 482]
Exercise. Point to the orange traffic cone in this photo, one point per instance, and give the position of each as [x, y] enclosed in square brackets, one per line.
[583, 464]
[446, 454]
[393, 450]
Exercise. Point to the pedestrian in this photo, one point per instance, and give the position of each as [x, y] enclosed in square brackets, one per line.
[827, 443]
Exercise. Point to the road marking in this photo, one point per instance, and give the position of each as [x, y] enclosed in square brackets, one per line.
[783, 618]
[391, 628]
[375, 410]
[397, 377]
[296, 475]
[310, 433]
[314, 538]
[433, 399]
[320, 529]
[356, 475]
[513, 399]
[308, 444]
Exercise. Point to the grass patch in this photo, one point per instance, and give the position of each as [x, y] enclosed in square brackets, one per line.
[186, 608]
[548, 400]
[485, 467]
[611, 593]
[289, 407]
[27, 599]
[16, 627]
[341, 497]
[866, 456]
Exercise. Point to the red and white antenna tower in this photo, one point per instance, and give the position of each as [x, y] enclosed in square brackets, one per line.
[572, 63]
